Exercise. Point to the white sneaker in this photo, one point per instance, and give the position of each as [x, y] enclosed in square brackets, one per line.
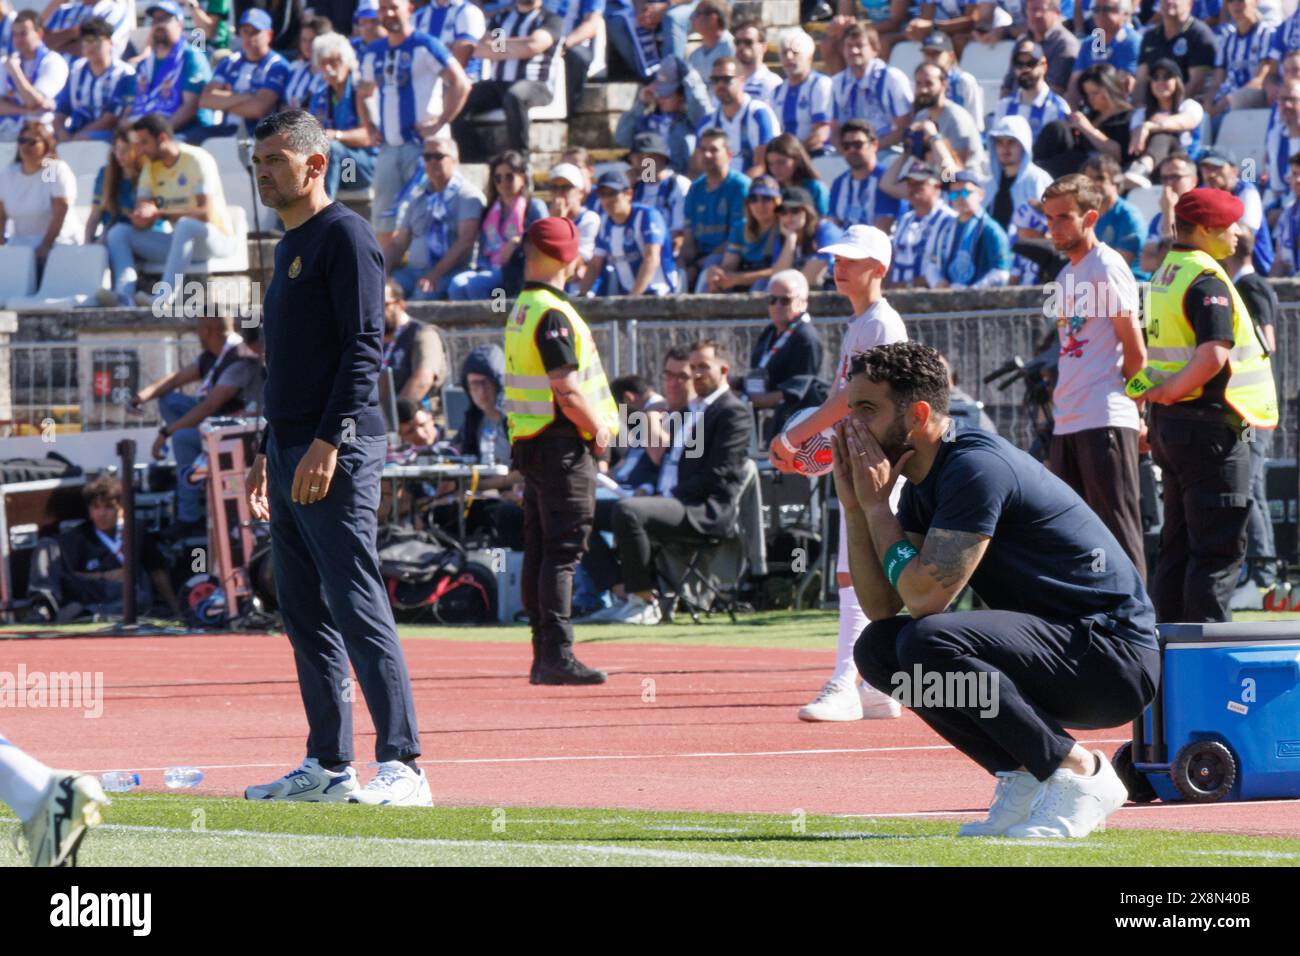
[1013, 801]
[835, 701]
[395, 785]
[877, 705]
[1074, 806]
[70, 806]
[604, 615]
[637, 611]
[310, 783]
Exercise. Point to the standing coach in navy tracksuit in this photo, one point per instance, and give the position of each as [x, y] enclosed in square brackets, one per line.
[316, 476]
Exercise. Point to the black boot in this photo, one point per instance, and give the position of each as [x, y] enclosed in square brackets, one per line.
[537, 660]
[568, 671]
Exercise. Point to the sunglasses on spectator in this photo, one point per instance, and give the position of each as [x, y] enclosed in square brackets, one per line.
[1025, 64]
[28, 141]
[761, 198]
[1112, 9]
[434, 157]
[722, 79]
[1175, 177]
[958, 193]
[790, 209]
[780, 299]
[503, 177]
[746, 42]
[854, 144]
[1161, 76]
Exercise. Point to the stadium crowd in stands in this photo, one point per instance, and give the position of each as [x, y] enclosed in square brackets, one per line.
[746, 152]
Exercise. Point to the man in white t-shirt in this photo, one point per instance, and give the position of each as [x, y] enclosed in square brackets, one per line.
[1095, 437]
[862, 259]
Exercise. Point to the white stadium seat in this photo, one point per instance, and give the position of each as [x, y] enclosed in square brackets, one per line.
[906, 56]
[1243, 134]
[73, 274]
[829, 167]
[86, 158]
[1145, 200]
[236, 185]
[17, 272]
[986, 62]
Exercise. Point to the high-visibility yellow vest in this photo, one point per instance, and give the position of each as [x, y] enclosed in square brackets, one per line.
[530, 404]
[1171, 341]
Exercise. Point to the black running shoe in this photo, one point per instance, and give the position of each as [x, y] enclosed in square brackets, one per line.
[571, 671]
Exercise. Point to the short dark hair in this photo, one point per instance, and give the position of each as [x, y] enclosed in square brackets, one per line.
[750, 23]
[1180, 157]
[714, 133]
[95, 27]
[319, 25]
[676, 353]
[155, 124]
[30, 16]
[1104, 166]
[635, 384]
[716, 7]
[859, 126]
[301, 129]
[913, 372]
[1078, 187]
[105, 488]
[405, 411]
[719, 350]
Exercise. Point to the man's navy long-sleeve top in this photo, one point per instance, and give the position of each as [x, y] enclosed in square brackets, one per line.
[323, 321]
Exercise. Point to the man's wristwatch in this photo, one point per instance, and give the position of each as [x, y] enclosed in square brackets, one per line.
[162, 430]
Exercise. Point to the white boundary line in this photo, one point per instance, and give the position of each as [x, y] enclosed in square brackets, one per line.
[695, 755]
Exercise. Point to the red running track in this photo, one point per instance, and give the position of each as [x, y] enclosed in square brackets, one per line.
[676, 728]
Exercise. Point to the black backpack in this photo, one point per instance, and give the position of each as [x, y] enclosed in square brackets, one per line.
[427, 575]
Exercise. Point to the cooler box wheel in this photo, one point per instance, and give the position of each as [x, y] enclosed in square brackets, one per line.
[1204, 771]
[1135, 781]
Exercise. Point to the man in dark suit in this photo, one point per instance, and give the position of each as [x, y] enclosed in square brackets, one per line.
[699, 481]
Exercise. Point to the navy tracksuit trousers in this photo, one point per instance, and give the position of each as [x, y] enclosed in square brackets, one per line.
[1050, 675]
[334, 604]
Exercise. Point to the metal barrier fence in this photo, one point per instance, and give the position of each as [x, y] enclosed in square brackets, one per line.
[85, 383]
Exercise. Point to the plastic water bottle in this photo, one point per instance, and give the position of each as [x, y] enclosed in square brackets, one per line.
[487, 447]
[119, 781]
[178, 778]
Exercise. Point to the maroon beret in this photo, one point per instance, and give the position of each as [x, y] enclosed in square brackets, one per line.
[556, 236]
[1211, 208]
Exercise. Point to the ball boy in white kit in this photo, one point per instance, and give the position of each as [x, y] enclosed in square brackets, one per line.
[862, 258]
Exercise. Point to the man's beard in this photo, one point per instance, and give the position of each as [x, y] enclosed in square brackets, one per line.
[895, 444]
[1027, 81]
[924, 102]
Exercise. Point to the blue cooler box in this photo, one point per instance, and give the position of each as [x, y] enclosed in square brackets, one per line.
[1225, 724]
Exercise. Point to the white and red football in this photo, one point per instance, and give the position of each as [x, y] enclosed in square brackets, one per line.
[814, 457]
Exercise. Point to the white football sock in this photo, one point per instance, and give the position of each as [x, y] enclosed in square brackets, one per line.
[23, 780]
[852, 623]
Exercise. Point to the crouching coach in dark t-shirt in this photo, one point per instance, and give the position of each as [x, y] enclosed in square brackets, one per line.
[1069, 639]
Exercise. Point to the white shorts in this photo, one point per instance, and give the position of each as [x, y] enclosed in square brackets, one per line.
[842, 560]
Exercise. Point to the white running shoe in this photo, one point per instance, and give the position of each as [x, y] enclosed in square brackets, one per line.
[70, 806]
[1074, 806]
[877, 705]
[636, 611]
[395, 785]
[835, 701]
[1013, 801]
[310, 783]
[605, 615]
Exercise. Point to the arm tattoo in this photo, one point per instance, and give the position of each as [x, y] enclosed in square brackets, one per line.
[951, 556]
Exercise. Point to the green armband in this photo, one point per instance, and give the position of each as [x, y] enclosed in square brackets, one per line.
[899, 555]
[1139, 384]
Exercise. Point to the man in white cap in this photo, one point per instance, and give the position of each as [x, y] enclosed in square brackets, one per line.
[569, 188]
[862, 258]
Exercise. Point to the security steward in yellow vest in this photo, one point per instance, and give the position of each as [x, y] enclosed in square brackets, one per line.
[1209, 386]
[561, 416]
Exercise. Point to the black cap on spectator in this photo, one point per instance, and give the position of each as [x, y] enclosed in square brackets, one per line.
[937, 40]
[652, 143]
[1168, 66]
[614, 180]
[1216, 157]
[798, 196]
